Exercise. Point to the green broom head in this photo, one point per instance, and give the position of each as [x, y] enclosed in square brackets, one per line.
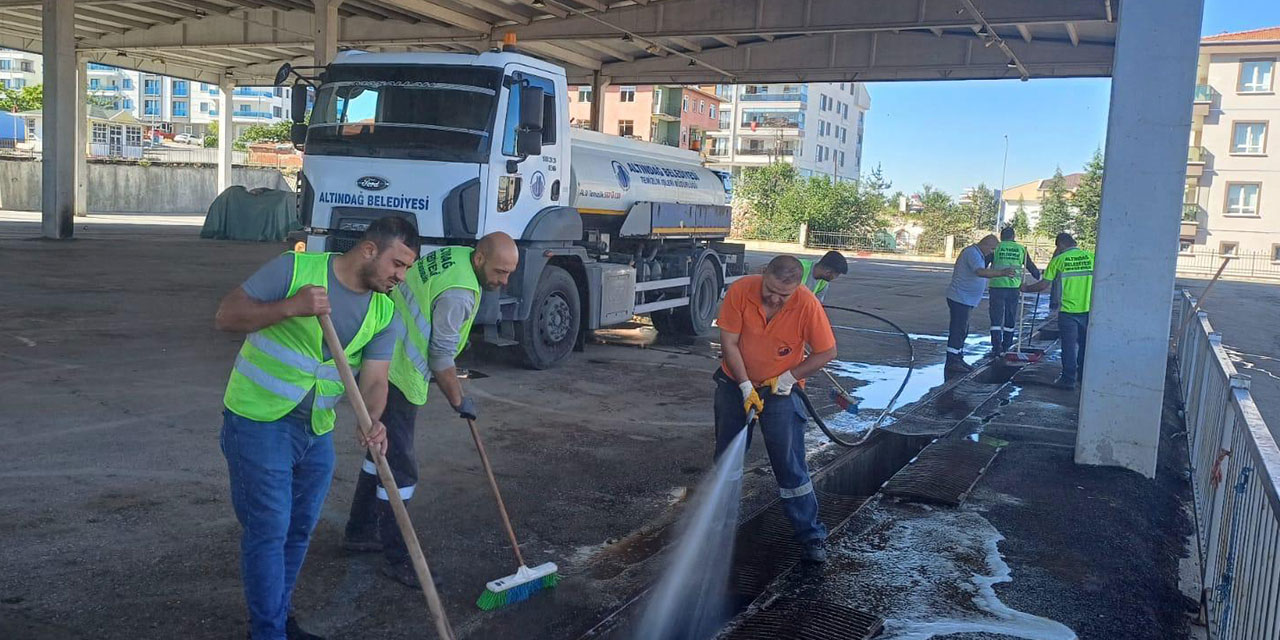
[519, 586]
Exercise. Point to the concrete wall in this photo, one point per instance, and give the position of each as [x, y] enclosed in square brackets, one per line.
[131, 188]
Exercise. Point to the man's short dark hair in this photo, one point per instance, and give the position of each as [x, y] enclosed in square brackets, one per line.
[1064, 239]
[784, 269]
[835, 261]
[388, 229]
[1008, 233]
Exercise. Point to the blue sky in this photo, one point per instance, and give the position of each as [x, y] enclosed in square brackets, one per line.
[951, 134]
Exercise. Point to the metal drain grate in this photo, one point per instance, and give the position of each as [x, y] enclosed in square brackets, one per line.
[799, 619]
[765, 549]
[943, 473]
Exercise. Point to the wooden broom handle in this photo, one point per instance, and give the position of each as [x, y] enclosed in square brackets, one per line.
[388, 481]
[493, 483]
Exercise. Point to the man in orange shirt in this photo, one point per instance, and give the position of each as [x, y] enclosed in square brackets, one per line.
[766, 322]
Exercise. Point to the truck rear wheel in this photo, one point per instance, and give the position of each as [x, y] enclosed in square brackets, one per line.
[696, 318]
[549, 334]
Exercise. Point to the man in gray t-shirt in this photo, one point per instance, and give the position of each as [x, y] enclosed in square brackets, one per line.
[277, 432]
[968, 282]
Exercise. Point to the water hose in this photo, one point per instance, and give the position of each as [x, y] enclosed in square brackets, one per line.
[911, 362]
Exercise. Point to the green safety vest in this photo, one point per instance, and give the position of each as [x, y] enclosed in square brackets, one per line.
[816, 286]
[1008, 254]
[1075, 265]
[278, 365]
[434, 273]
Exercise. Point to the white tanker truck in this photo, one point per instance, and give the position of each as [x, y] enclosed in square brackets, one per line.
[464, 145]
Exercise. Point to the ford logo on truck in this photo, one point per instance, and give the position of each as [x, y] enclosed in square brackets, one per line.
[372, 183]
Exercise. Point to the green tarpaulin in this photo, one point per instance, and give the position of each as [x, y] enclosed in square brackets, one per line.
[263, 215]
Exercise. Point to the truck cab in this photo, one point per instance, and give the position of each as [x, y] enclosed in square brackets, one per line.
[465, 145]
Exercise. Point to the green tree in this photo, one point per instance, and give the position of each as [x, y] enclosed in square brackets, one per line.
[28, 98]
[776, 201]
[982, 207]
[1055, 208]
[276, 132]
[1088, 201]
[1020, 224]
[942, 217]
[211, 136]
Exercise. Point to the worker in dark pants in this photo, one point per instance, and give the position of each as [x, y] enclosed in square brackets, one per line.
[1006, 292]
[1073, 267]
[968, 281]
[819, 275]
[437, 302]
[766, 323]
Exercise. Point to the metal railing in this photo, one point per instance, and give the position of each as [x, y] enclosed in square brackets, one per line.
[856, 242]
[1243, 265]
[1195, 155]
[774, 97]
[1204, 93]
[1235, 478]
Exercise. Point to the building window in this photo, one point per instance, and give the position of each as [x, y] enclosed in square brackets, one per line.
[99, 133]
[127, 103]
[584, 94]
[27, 66]
[277, 112]
[1249, 138]
[31, 128]
[180, 109]
[94, 85]
[180, 88]
[133, 136]
[127, 83]
[151, 86]
[684, 104]
[1242, 199]
[1275, 253]
[842, 158]
[204, 107]
[713, 112]
[844, 135]
[115, 105]
[702, 107]
[1256, 76]
[5, 64]
[244, 108]
[1228, 248]
[19, 83]
[627, 128]
[151, 108]
[626, 94]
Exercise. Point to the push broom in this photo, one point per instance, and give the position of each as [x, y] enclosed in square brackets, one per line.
[1017, 356]
[526, 581]
[388, 481]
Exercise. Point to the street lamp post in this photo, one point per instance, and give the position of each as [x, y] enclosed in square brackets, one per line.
[1003, 170]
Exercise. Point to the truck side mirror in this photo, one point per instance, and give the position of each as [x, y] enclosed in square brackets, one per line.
[529, 131]
[298, 103]
[298, 135]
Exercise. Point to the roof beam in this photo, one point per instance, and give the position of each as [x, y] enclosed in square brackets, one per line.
[686, 43]
[1024, 32]
[747, 18]
[107, 18]
[135, 12]
[608, 51]
[726, 40]
[82, 28]
[565, 55]
[593, 4]
[546, 7]
[1073, 34]
[498, 9]
[441, 14]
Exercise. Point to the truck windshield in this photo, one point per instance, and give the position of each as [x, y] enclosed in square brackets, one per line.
[405, 111]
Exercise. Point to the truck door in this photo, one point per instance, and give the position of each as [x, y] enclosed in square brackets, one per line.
[537, 182]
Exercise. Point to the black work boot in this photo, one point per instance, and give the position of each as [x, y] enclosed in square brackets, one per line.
[1008, 341]
[956, 364]
[997, 343]
[398, 567]
[814, 552]
[293, 632]
[362, 525]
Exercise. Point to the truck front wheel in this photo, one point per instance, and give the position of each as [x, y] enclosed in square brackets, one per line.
[549, 334]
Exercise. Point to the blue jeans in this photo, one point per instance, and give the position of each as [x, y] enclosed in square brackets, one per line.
[280, 472]
[782, 426]
[1073, 328]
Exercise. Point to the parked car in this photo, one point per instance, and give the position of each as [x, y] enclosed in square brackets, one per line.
[184, 138]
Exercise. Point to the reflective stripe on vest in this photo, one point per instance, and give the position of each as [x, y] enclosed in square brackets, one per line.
[443, 269]
[279, 365]
[818, 285]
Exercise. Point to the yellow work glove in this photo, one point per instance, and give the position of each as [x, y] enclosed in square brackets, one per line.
[750, 399]
[781, 385]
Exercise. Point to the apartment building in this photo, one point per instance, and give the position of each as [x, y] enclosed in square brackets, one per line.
[674, 115]
[817, 126]
[1030, 197]
[19, 69]
[181, 106]
[1232, 199]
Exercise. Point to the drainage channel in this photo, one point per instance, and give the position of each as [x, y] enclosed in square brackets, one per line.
[764, 550]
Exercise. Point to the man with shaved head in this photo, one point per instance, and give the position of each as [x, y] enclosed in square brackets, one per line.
[437, 302]
[766, 323]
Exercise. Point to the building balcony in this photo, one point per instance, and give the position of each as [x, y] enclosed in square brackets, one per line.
[252, 115]
[774, 97]
[1189, 228]
[1203, 101]
[1195, 161]
[255, 91]
[784, 151]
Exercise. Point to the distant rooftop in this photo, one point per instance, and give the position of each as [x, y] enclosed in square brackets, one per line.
[1252, 35]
